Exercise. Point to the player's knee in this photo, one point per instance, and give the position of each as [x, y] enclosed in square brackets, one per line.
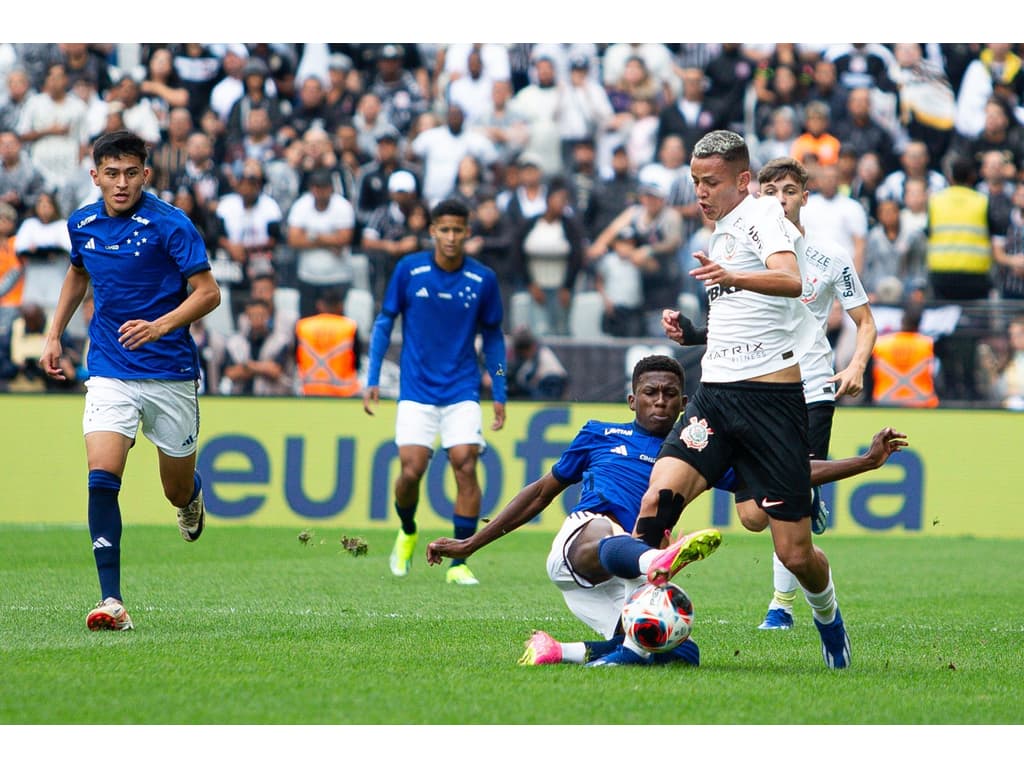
[797, 560]
[752, 517]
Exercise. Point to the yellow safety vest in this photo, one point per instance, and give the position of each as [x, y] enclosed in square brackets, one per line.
[903, 364]
[958, 238]
[325, 357]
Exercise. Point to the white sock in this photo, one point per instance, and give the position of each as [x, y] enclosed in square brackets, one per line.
[785, 584]
[824, 603]
[646, 559]
[573, 653]
[628, 643]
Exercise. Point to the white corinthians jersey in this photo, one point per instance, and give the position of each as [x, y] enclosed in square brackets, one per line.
[828, 274]
[751, 334]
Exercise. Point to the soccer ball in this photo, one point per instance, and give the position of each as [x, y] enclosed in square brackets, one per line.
[658, 618]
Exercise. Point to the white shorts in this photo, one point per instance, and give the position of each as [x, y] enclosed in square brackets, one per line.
[598, 606]
[420, 424]
[168, 410]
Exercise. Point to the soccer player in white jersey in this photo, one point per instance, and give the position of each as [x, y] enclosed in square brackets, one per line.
[151, 279]
[445, 299]
[749, 411]
[829, 276]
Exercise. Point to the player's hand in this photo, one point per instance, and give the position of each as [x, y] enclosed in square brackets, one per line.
[50, 359]
[848, 382]
[371, 396]
[884, 444]
[135, 333]
[499, 416]
[670, 325]
[710, 272]
[439, 549]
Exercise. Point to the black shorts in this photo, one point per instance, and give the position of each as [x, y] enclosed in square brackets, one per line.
[819, 428]
[758, 429]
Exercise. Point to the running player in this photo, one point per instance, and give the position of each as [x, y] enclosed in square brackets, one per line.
[445, 298]
[150, 278]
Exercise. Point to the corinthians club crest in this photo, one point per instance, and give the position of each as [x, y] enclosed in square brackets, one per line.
[695, 434]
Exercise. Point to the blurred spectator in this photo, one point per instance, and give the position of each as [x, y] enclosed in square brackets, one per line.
[230, 86]
[169, 157]
[613, 192]
[472, 87]
[490, 242]
[927, 103]
[202, 174]
[251, 230]
[863, 65]
[915, 162]
[816, 139]
[211, 347]
[53, 125]
[903, 365]
[12, 269]
[620, 283]
[582, 175]
[583, 109]
[469, 182]
[19, 90]
[205, 222]
[310, 109]
[1006, 379]
[198, 68]
[257, 143]
[528, 197]
[283, 318]
[997, 71]
[328, 351]
[137, 114]
[20, 180]
[862, 133]
[914, 213]
[1008, 251]
[687, 116]
[37, 58]
[284, 174]
[373, 177]
[826, 88]
[534, 370]
[43, 242]
[635, 83]
[441, 150]
[502, 125]
[384, 235]
[1000, 132]
[959, 240]
[728, 76]
[24, 349]
[371, 124]
[254, 76]
[659, 231]
[549, 250]
[655, 57]
[776, 87]
[841, 216]
[81, 61]
[778, 140]
[162, 87]
[893, 252]
[538, 105]
[996, 182]
[683, 196]
[400, 94]
[258, 361]
[639, 134]
[343, 88]
[321, 225]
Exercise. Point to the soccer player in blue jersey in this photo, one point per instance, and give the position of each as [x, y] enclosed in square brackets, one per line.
[445, 299]
[150, 278]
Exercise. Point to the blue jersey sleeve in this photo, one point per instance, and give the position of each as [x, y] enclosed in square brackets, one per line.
[575, 460]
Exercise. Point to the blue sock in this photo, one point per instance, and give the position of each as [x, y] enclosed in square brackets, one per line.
[105, 530]
[464, 528]
[598, 648]
[620, 555]
[407, 516]
[197, 487]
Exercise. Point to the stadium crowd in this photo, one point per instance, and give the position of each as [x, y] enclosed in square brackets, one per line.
[311, 169]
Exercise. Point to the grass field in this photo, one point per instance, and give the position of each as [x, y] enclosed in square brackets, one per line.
[251, 626]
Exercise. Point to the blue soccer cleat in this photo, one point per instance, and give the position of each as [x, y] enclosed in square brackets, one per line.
[686, 652]
[835, 643]
[621, 656]
[820, 513]
[777, 618]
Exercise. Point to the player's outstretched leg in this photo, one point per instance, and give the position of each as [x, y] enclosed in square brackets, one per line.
[109, 614]
[688, 549]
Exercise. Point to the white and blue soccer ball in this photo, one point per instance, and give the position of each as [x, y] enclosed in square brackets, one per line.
[658, 618]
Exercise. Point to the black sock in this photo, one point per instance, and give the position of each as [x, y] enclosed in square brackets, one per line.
[407, 515]
[105, 530]
[463, 527]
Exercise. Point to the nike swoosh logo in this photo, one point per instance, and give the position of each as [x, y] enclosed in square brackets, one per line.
[766, 503]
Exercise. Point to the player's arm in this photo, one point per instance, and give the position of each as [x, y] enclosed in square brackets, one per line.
[203, 299]
[494, 359]
[681, 329]
[525, 506]
[781, 276]
[380, 338]
[850, 380]
[73, 290]
[884, 444]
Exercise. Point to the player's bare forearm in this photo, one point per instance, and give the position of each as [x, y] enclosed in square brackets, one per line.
[884, 444]
[525, 506]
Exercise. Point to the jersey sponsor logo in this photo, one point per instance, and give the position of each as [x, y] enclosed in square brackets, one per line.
[423, 293]
[443, 295]
[620, 450]
[648, 459]
[695, 435]
[846, 282]
[813, 256]
[90, 244]
[715, 291]
[114, 247]
[419, 270]
[140, 219]
[617, 431]
[768, 504]
[87, 220]
[755, 238]
[473, 276]
[750, 351]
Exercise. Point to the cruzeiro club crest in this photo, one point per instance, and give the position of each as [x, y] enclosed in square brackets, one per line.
[695, 434]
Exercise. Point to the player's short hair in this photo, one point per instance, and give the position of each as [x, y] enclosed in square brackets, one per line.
[728, 145]
[115, 144]
[450, 207]
[780, 168]
[658, 363]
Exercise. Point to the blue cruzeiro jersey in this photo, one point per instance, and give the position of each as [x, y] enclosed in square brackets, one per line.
[614, 463]
[139, 264]
[441, 315]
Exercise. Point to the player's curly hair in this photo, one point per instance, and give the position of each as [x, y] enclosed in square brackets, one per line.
[658, 363]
